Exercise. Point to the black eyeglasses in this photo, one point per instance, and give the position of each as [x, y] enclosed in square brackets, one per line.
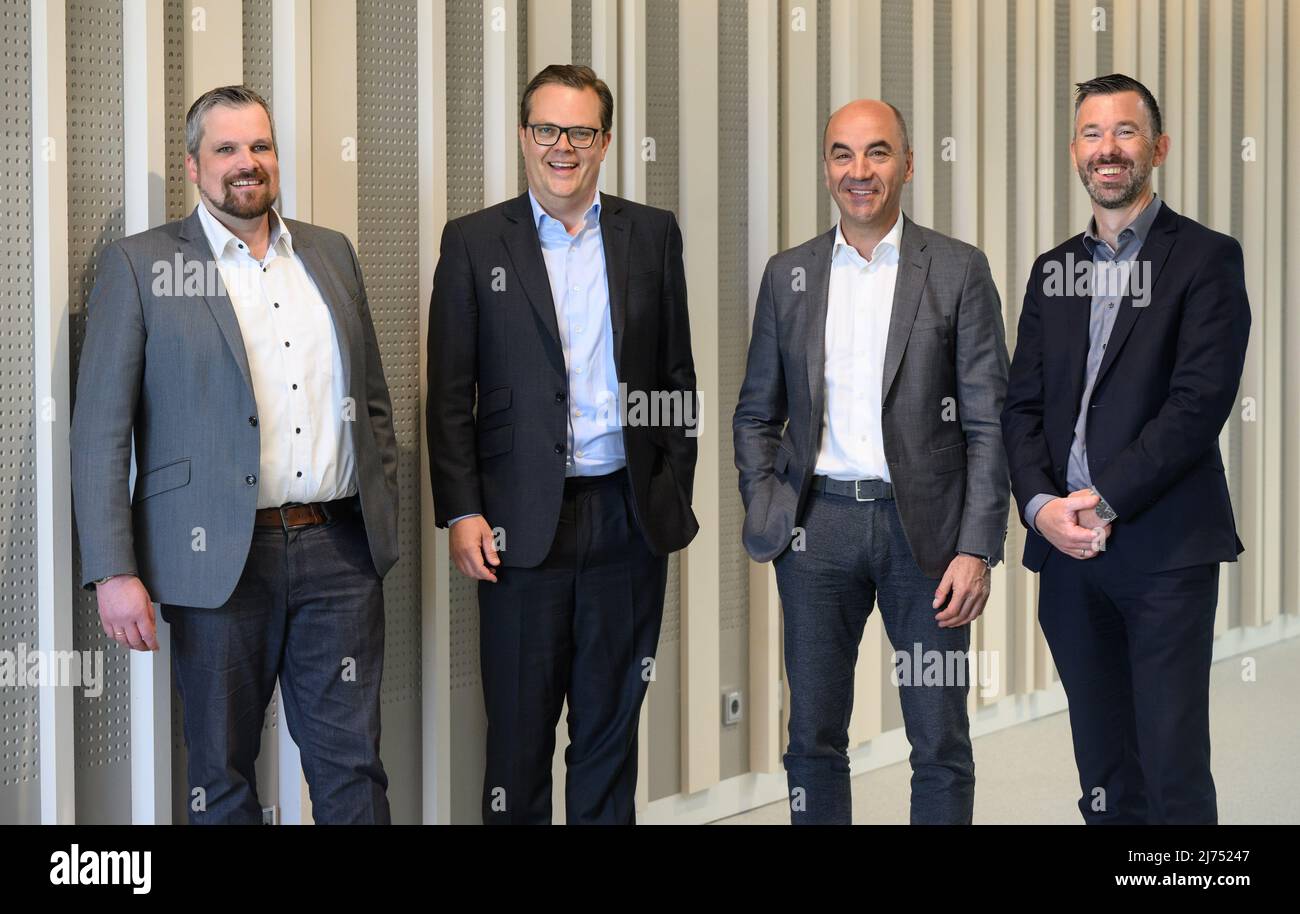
[549, 135]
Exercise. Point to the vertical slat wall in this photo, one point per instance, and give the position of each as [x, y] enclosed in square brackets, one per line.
[719, 107]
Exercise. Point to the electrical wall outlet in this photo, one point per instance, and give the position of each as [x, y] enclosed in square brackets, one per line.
[733, 708]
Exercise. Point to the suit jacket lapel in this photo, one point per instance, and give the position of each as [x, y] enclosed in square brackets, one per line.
[616, 238]
[335, 296]
[524, 249]
[817, 281]
[194, 246]
[1078, 311]
[1155, 250]
[913, 268]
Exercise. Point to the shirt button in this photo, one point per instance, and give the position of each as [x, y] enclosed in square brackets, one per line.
[286, 344]
[295, 387]
[300, 473]
[578, 330]
[577, 412]
[297, 431]
[250, 480]
[578, 369]
[579, 453]
[277, 304]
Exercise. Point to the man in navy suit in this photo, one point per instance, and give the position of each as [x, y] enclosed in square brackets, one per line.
[1128, 359]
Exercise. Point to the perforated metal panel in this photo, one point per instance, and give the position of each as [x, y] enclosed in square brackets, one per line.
[177, 105]
[662, 190]
[257, 48]
[1059, 156]
[823, 104]
[464, 86]
[388, 240]
[95, 168]
[733, 336]
[896, 65]
[19, 706]
[580, 22]
[521, 80]
[1203, 93]
[1105, 41]
[943, 119]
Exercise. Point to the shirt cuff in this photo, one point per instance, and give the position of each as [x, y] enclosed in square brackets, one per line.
[1032, 509]
[451, 523]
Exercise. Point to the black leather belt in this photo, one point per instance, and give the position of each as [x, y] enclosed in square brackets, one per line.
[857, 489]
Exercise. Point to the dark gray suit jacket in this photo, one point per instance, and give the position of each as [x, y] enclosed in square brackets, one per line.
[171, 372]
[945, 340]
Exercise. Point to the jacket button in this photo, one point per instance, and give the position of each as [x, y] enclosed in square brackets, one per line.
[559, 396]
[252, 420]
[251, 480]
[559, 449]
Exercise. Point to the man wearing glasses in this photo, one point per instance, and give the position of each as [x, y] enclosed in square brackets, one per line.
[552, 313]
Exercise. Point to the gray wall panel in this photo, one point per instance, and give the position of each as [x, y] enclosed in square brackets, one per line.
[733, 337]
[95, 172]
[896, 66]
[389, 248]
[581, 34]
[19, 706]
[464, 88]
[257, 48]
[662, 182]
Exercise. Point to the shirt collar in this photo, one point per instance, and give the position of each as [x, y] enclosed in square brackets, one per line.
[1140, 227]
[539, 214]
[893, 238]
[219, 237]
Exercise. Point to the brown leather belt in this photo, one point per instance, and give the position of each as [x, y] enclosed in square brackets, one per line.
[316, 512]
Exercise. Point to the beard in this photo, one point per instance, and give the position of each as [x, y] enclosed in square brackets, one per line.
[1115, 196]
[246, 205]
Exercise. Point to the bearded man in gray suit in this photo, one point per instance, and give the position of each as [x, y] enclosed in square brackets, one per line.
[871, 464]
[235, 349]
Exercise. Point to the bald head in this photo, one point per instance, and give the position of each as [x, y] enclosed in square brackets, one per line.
[877, 113]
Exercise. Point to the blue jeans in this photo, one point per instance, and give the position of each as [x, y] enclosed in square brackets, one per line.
[855, 553]
[308, 610]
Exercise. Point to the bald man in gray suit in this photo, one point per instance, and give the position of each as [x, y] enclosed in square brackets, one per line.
[868, 442]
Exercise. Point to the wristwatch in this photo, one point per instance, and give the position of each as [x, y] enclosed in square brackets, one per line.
[987, 560]
[1105, 513]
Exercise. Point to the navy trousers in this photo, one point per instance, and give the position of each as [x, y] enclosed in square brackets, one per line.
[1133, 649]
[853, 554]
[582, 626]
[308, 610]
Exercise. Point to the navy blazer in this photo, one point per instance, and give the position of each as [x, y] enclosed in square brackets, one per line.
[1165, 388]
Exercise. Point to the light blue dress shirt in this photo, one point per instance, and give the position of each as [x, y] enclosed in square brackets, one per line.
[575, 265]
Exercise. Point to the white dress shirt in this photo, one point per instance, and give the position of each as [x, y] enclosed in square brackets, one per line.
[859, 304]
[296, 368]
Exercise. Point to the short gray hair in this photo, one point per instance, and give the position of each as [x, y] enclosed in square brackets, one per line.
[231, 97]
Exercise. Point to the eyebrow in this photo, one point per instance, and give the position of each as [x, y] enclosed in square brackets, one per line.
[264, 140]
[1125, 123]
[877, 144]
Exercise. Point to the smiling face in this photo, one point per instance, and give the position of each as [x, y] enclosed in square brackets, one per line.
[865, 165]
[561, 177]
[237, 172]
[1114, 149]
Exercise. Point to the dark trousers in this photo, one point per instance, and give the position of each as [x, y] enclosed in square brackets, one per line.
[853, 554]
[1133, 650]
[582, 625]
[308, 610]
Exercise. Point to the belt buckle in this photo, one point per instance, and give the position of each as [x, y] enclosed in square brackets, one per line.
[857, 490]
[284, 523]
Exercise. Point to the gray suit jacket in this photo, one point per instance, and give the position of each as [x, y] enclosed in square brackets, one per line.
[170, 372]
[945, 340]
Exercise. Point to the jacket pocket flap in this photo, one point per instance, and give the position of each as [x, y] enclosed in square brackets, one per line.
[493, 401]
[162, 479]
